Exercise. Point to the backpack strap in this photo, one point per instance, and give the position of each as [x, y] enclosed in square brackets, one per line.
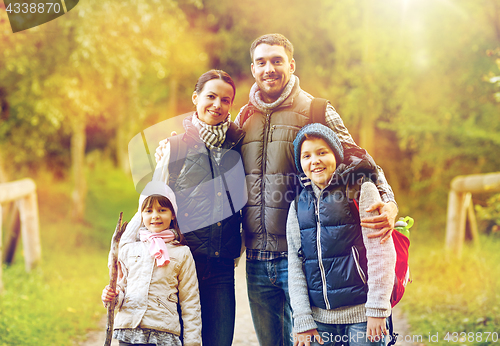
[245, 114]
[318, 110]
[296, 202]
[178, 152]
[353, 190]
[393, 336]
[300, 251]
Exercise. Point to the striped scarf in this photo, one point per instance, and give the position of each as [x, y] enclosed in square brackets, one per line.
[212, 135]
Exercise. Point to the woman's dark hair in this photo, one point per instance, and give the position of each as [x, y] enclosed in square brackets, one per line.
[214, 74]
[165, 203]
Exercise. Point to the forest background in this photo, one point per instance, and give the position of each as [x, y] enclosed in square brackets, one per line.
[415, 82]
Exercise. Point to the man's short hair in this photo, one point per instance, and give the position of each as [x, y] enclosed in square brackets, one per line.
[273, 40]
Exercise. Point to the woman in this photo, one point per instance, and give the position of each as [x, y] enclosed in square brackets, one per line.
[211, 190]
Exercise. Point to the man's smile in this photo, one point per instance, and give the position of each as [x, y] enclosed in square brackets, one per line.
[271, 79]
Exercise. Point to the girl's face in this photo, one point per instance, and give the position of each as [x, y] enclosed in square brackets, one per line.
[157, 218]
[213, 102]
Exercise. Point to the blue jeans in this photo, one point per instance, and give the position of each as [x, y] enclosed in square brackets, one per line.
[267, 283]
[345, 335]
[217, 299]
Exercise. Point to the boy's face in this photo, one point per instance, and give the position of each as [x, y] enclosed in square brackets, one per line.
[318, 161]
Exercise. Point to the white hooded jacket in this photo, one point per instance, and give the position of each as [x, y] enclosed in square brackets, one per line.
[149, 294]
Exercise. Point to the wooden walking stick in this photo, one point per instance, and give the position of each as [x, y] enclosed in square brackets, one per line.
[113, 273]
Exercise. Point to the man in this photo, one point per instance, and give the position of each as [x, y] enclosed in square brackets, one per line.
[277, 109]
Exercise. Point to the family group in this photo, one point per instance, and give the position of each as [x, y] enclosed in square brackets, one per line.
[317, 273]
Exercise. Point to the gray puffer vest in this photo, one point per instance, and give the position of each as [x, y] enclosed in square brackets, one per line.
[267, 152]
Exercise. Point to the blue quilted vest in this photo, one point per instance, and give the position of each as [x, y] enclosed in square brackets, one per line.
[334, 256]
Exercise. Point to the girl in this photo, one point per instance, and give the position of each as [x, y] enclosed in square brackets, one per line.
[211, 190]
[154, 274]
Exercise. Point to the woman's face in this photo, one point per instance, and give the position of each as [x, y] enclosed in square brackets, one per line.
[214, 101]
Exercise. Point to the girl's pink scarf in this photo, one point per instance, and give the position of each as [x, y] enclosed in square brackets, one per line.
[158, 249]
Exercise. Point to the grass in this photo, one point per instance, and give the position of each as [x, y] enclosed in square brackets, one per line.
[59, 301]
[451, 295]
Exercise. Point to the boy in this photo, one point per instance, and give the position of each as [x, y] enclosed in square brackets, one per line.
[333, 299]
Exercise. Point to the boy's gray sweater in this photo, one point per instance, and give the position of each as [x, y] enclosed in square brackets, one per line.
[381, 264]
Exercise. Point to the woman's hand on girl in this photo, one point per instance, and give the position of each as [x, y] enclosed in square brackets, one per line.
[162, 145]
[159, 151]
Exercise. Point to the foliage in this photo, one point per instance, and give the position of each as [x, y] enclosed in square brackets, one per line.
[95, 73]
[491, 212]
[381, 63]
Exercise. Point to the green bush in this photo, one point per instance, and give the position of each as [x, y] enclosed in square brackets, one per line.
[490, 213]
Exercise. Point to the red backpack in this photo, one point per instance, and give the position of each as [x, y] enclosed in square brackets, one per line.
[401, 240]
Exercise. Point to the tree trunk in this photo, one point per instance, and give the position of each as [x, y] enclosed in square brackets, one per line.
[173, 97]
[122, 143]
[367, 119]
[127, 117]
[367, 132]
[78, 143]
[3, 173]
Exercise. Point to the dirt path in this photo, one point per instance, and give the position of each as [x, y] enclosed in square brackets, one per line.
[244, 333]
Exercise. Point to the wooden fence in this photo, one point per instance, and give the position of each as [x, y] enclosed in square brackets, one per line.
[23, 194]
[461, 209]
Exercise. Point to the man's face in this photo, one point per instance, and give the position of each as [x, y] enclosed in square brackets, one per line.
[271, 69]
